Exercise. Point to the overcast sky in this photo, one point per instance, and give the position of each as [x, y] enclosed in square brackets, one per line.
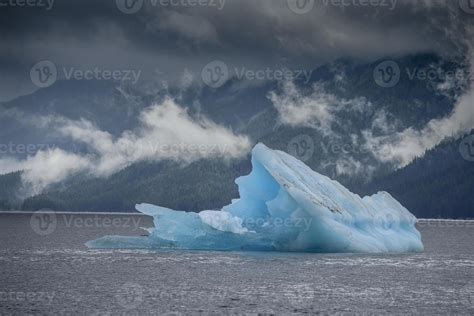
[173, 40]
[165, 37]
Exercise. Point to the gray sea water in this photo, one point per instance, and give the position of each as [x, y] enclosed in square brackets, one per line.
[46, 269]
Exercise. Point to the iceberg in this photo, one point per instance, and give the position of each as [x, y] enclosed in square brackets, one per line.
[283, 206]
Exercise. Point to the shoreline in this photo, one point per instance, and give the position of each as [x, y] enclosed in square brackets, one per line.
[141, 214]
[74, 213]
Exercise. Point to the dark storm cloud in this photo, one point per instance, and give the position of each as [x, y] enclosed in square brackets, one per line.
[163, 38]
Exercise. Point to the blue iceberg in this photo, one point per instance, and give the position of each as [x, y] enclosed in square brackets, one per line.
[283, 206]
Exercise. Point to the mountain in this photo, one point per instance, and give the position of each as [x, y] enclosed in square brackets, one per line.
[440, 184]
[243, 108]
[200, 185]
[10, 186]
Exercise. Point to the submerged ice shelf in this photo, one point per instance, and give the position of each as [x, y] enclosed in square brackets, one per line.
[283, 206]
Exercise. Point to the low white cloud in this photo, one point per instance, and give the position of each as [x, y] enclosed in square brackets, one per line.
[166, 132]
[45, 168]
[402, 147]
[52, 166]
[315, 110]
[318, 109]
[8, 165]
[296, 109]
[347, 166]
[383, 122]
